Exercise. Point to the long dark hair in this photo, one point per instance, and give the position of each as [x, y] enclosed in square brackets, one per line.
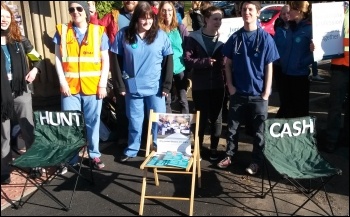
[142, 10]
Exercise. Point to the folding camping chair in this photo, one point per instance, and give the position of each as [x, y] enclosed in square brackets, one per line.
[59, 137]
[290, 147]
[173, 153]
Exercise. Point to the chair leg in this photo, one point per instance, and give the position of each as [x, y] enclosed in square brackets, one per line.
[271, 189]
[156, 178]
[193, 185]
[314, 192]
[199, 171]
[143, 191]
[39, 187]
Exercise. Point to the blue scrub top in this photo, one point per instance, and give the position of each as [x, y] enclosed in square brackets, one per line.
[249, 57]
[142, 62]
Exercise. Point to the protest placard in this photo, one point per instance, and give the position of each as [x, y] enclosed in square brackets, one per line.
[327, 29]
[229, 26]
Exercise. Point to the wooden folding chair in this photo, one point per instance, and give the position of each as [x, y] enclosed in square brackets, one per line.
[173, 153]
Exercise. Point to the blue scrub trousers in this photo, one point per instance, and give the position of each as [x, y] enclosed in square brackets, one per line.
[136, 107]
[91, 107]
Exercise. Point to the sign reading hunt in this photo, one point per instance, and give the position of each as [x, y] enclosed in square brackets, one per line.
[327, 29]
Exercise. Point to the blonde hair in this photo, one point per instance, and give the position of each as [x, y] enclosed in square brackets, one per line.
[161, 21]
[196, 5]
[303, 6]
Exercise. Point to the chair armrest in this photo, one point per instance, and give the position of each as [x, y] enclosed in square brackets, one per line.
[190, 162]
[146, 160]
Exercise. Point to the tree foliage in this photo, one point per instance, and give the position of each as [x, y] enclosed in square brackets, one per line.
[104, 7]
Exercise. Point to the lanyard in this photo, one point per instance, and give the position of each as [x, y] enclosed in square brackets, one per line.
[8, 58]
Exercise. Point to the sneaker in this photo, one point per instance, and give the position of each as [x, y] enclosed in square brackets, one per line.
[224, 163]
[62, 170]
[252, 169]
[35, 172]
[5, 179]
[98, 164]
[214, 154]
[317, 78]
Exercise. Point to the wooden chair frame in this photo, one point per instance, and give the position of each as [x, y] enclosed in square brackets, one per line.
[193, 168]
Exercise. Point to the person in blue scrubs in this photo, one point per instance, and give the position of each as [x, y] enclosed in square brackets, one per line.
[250, 52]
[142, 58]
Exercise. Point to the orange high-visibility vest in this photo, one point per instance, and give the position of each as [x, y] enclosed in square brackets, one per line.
[81, 64]
[344, 61]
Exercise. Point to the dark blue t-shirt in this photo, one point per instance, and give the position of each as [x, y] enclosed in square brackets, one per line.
[250, 52]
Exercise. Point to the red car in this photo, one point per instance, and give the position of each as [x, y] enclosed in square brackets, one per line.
[268, 16]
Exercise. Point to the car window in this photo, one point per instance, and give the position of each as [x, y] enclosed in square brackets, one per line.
[267, 15]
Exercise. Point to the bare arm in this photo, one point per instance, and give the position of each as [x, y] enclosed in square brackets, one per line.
[102, 86]
[59, 69]
[228, 73]
[268, 82]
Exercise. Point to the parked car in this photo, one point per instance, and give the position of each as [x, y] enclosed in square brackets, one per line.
[268, 16]
[226, 7]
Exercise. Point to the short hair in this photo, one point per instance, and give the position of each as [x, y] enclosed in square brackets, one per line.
[256, 3]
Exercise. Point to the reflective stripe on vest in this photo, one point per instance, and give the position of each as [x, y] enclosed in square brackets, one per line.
[81, 64]
[344, 61]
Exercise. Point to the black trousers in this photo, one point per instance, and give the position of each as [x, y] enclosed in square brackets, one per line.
[294, 96]
[209, 103]
[180, 83]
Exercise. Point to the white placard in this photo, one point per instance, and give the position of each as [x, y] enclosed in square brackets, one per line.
[327, 29]
[229, 26]
[174, 133]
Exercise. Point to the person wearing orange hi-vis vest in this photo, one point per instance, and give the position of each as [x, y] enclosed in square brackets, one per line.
[82, 65]
[339, 88]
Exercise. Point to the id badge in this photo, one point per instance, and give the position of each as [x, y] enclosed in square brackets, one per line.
[9, 76]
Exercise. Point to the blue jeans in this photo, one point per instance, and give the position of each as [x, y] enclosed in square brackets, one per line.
[257, 108]
[91, 107]
[339, 87]
[136, 113]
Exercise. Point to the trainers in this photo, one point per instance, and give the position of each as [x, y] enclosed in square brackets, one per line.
[317, 78]
[224, 163]
[62, 170]
[252, 169]
[214, 154]
[35, 172]
[5, 179]
[98, 164]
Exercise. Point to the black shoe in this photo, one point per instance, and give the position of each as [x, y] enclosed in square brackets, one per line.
[35, 172]
[214, 155]
[5, 179]
[124, 158]
[330, 148]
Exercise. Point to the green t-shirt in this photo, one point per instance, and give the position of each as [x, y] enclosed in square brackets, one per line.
[176, 43]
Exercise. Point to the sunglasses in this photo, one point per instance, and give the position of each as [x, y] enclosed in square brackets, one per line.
[72, 9]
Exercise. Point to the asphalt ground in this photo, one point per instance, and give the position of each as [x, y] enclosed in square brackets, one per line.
[224, 192]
